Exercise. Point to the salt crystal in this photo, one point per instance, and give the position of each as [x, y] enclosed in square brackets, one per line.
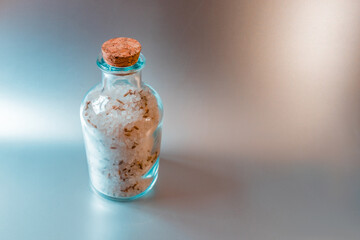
[99, 104]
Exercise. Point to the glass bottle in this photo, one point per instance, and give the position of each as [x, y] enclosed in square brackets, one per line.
[121, 120]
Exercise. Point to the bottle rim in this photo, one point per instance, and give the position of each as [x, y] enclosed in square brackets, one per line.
[138, 66]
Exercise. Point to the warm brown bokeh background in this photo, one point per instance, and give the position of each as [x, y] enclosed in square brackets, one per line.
[261, 78]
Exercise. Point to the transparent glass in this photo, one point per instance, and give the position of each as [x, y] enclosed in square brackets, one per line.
[121, 119]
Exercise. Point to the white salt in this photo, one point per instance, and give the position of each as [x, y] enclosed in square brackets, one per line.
[119, 136]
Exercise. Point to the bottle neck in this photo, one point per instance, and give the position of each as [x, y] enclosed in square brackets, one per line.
[109, 80]
[111, 76]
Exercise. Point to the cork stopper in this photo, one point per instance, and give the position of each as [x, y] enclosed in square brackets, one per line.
[121, 52]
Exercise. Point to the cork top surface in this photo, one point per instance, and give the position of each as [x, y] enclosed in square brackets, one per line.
[121, 52]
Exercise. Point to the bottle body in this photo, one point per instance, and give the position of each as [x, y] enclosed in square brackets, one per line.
[122, 123]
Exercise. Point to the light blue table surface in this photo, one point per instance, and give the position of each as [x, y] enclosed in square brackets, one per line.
[45, 195]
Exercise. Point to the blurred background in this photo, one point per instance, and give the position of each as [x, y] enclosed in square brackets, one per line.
[262, 76]
[267, 86]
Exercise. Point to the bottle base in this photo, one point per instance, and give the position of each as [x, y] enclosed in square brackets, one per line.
[153, 172]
